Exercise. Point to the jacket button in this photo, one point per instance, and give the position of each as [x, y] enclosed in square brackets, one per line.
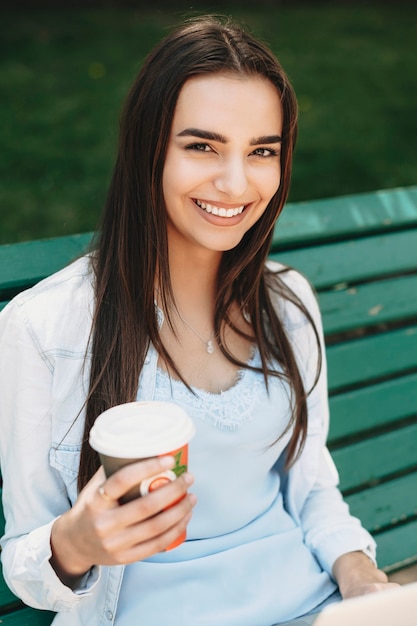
[109, 615]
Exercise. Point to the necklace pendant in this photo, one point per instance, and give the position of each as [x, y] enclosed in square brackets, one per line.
[210, 347]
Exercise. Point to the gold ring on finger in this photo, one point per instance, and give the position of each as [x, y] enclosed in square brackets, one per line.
[103, 494]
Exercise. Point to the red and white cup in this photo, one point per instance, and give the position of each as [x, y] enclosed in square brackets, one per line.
[135, 431]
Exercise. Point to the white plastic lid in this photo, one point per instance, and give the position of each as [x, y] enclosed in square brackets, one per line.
[141, 430]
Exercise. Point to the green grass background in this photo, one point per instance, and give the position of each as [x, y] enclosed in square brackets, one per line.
[64, 74]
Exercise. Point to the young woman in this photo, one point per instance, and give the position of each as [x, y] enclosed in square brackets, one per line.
[178, 303]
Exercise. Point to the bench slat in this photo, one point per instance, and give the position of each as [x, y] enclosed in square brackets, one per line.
[397, 546]
[385, 504]
[7, 599]
[352, 215]
[367, 305]
[374, 406]
[27, 617]
[354, 260]
[370, 358]
[365, 462]
[24, 264]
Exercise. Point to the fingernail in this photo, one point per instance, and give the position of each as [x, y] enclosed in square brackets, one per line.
[167, 461]
[192, 499]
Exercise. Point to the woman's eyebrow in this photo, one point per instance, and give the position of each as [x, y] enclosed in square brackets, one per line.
[203, 134]
[212, 136]
[266, 139]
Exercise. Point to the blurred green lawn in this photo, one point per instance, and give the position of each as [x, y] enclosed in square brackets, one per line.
[64, 74]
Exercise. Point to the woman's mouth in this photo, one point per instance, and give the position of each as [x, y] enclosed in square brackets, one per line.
[219, 211]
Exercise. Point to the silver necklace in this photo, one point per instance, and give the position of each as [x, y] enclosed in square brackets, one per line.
[209, 344]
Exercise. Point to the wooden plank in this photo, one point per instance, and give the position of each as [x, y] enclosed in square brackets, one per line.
[367, 305]
[386, 504]
[397, 546]
[27, 617]
[354, 260]
[7, 598]
[374, 406]
[23, 264]
[337, 218]
[369, 358]
[368, 461]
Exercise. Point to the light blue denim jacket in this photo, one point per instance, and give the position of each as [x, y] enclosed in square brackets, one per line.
[43, 385]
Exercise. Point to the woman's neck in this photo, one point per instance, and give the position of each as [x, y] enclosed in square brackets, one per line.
[194, 279]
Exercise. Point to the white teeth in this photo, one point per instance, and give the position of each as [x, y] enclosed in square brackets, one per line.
[219, 211]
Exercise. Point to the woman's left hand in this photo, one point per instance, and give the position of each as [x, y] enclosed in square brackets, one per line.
[356, 575]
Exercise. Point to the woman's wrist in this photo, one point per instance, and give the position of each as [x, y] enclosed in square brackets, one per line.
[69, 567]
[356, 574]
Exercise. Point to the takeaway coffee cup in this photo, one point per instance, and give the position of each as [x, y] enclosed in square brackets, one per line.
[136, 431]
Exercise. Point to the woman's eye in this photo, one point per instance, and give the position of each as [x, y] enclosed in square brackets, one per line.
[265, 152]
[199, 147]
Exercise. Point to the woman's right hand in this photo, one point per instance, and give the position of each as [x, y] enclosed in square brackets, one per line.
[97, 530]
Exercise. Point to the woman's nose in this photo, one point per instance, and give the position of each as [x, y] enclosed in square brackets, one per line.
[232, 178]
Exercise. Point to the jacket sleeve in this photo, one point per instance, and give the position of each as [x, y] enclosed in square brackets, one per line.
[313, 495]
[33, 493]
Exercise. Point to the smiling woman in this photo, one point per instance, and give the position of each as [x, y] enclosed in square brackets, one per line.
[176, 303]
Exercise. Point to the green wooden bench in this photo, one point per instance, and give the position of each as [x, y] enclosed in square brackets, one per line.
[360, 252]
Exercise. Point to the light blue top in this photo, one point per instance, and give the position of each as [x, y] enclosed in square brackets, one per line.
[44, 380]
[244, 562]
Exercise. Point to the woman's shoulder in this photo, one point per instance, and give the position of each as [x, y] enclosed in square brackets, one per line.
[56, 306]
[296, 304]
[285, 283]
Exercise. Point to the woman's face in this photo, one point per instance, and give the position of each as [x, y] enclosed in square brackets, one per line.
[223, 161]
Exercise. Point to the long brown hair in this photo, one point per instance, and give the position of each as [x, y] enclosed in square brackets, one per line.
[132, 248]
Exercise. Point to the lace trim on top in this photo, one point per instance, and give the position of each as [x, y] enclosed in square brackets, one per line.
[226, 410]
